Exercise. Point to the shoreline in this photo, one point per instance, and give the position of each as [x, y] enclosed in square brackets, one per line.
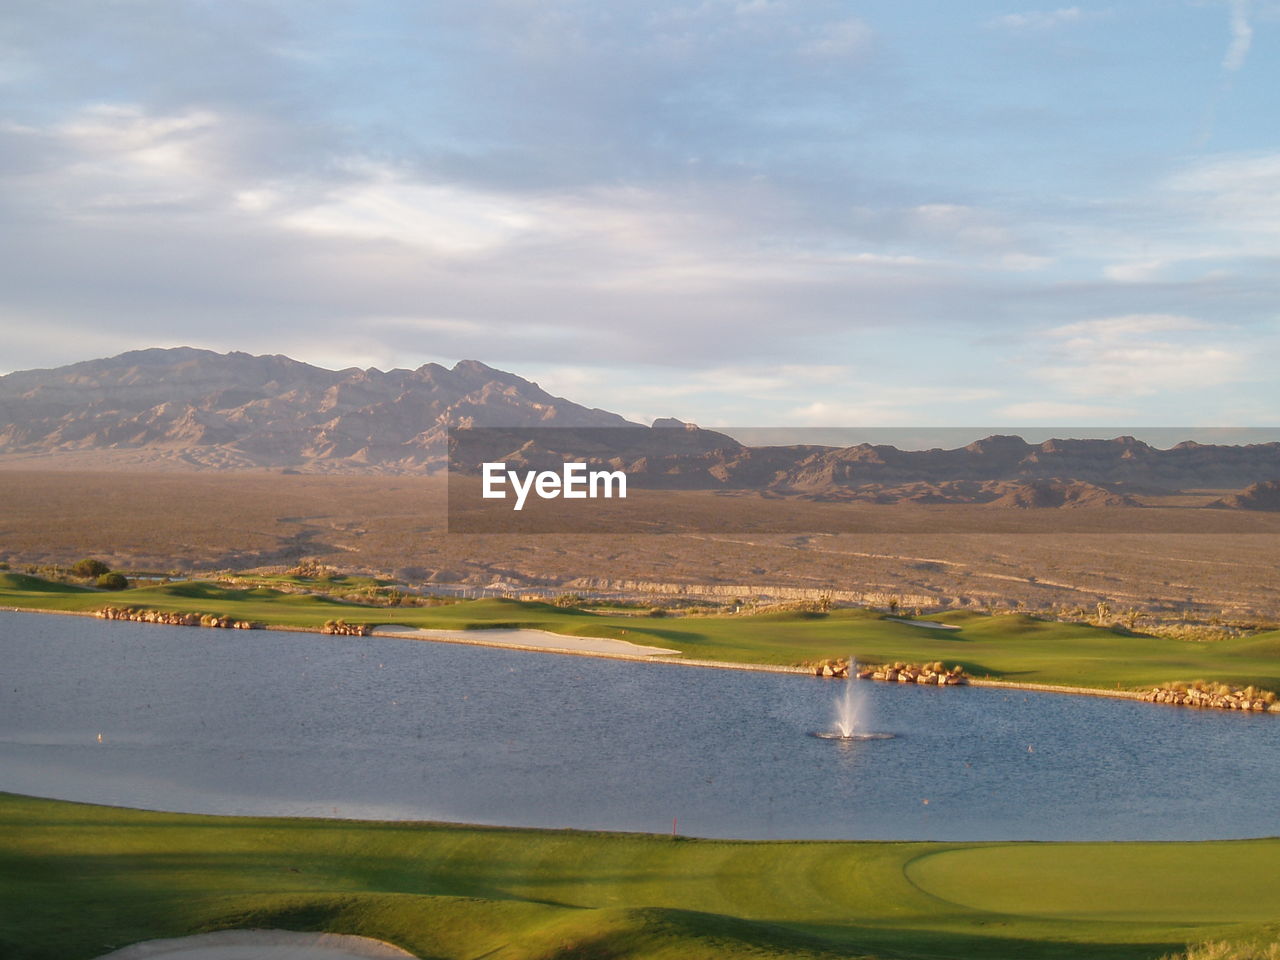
[1135, 695]
[610, 833]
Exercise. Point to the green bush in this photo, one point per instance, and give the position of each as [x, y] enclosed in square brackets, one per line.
[89, 568]
[112, 581]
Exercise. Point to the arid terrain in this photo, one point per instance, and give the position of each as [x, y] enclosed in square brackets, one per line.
[188, 460]
[206, 521]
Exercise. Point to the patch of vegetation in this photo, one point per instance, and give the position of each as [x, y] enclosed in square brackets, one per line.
[1227, 950]
[89, 568]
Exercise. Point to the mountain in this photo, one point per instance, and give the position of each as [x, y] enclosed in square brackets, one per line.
[236, 410]
[1000, 470]
[197, 408]
[1257, 496]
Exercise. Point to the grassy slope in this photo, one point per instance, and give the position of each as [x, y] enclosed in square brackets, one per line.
[76, 880]
[1004, 647]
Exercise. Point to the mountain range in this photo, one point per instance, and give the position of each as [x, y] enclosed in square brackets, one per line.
[201, 409]
[216, 410]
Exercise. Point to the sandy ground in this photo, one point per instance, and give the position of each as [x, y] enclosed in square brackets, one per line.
[527, 640]
[925, 623]
[260, 945]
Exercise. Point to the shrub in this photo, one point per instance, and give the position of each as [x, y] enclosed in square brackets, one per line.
[89, 568]
[1223, 950]
[311, 569]
[112, 581]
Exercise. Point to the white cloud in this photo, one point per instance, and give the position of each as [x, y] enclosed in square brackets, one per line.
[1106, 329]
[1038, 19]
[117, 157]
[850, 37]
[890, 405]
[381, 205]
[960, 224]
[712, 396]
[1138, 355]
[1135, 271]
[1061, 412]
[1241, 36]
[1237, 195]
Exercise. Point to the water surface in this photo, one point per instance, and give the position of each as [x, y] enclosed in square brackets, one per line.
[274, 723]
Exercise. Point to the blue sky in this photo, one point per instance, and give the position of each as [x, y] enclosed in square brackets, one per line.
[734, 211]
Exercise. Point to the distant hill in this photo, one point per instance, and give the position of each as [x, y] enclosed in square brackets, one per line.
[1257, 496]
[236, 410]
[1000, 470]
[197, 408]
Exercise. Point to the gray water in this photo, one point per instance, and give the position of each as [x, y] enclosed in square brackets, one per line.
[273, 723]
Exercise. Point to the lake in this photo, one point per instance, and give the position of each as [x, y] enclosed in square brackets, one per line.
[281, 723]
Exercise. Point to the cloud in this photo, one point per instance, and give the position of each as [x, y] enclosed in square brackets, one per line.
[1038, 19]
[961, 225]
[1139, 355]
[135, 216]
[1108, 329]
[728, 196]
[448, 219]
[1241, 36]
[1059, 412]
[1135, 271]
[840, 39]
[1237, 195]
[890, 404]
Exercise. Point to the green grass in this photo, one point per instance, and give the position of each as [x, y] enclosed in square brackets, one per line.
[1007, 647]
[77, 880]
[23, 584]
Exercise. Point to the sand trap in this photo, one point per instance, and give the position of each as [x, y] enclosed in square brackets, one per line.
[526, 639]
[260, 945]
[925, 623]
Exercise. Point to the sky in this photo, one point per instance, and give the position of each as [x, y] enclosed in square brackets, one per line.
[770, 212]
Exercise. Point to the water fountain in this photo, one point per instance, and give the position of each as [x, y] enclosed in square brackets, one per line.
[848, 720]
[847, 712]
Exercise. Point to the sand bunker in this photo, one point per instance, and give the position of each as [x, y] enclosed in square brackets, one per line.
[261, 945]
[925, 623]
[528, 640]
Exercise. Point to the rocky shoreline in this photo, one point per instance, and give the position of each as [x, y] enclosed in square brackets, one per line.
[928, 673]
[172, 619]
[1214, 696]
[343, 629]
